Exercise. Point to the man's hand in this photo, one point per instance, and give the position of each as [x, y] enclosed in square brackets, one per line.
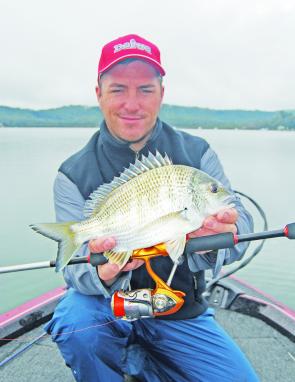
[109, 272]
[224, 221]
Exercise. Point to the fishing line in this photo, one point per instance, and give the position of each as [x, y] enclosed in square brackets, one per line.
[63, 333]
[255, 252]
[42, 336]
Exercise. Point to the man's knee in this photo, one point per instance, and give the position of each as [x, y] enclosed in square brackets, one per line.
[86, 323]
[77, 313]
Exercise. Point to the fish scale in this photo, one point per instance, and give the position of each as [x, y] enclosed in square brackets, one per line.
[138, 200]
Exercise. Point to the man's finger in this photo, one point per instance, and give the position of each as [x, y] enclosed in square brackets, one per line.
[229, 215]
[101, 244]
[217, 227]
[108, 271]
[200, 232]
[135, 263]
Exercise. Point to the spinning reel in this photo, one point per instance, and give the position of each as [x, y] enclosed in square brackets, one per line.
[142, 303]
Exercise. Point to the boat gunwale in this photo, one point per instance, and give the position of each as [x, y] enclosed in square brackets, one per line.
[36, 311]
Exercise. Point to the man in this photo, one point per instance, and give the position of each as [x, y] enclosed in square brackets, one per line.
[185, 346]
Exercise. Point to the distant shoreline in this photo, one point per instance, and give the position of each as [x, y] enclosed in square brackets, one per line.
[178, 116]
[177, 127]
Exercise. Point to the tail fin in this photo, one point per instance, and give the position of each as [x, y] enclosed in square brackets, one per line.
[62, 233]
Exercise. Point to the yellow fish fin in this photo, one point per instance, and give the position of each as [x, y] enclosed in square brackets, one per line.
[175, 247]
[119, 258]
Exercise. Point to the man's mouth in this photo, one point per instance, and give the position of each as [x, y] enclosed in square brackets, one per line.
[131, 117]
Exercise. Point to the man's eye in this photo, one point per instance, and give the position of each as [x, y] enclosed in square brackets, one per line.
[116, 90]
[146, 91]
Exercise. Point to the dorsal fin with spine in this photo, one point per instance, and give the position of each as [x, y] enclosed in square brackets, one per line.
[139, 167]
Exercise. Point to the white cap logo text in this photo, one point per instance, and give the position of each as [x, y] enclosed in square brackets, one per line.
[132, 44]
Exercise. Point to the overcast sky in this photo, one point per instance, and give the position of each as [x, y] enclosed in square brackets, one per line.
[218, 53]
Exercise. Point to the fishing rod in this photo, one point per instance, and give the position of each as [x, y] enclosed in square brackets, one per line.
[198, 244]
[123, 302]
[163, 299]
[23, 349]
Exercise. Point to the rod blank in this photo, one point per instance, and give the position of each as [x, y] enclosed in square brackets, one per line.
[204, 243]
[26, 267]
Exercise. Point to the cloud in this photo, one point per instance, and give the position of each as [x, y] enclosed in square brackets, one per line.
[229, 54]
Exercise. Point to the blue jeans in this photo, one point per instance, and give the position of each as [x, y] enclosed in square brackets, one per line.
[97, 348]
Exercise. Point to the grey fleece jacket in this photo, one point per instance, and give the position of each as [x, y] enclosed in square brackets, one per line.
[69, 204]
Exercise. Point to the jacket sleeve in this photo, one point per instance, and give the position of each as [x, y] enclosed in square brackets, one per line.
[69, 205]
[211, 165]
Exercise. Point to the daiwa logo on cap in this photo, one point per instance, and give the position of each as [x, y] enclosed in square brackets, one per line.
[132, 44]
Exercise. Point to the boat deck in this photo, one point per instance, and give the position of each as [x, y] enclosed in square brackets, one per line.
[271, 353]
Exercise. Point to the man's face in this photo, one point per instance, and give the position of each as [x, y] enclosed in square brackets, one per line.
[130, 97]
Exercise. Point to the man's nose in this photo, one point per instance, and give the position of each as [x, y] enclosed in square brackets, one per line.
[131, 103]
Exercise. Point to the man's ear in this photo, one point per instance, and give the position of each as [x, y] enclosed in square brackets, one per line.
[98, 92]
[162, 91]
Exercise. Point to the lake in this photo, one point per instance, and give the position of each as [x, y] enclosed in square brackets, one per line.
[258, 163]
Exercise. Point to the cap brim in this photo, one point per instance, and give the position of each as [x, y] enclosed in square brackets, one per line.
[151, 61]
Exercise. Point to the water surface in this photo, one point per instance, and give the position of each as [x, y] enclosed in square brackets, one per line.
[259, 163]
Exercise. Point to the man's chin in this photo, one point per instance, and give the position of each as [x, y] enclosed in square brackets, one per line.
[132, 134]
[134, 139]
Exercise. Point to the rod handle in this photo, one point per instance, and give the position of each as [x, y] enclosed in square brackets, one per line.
[289, 231]
[212, 242]
[96, 259]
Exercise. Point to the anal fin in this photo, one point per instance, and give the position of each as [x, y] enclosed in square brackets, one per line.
[175, 248]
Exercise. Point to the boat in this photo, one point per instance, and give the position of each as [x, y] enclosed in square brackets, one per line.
[263, 327]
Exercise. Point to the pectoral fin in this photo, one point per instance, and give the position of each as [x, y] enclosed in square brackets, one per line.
[175, 247]
[119, 258]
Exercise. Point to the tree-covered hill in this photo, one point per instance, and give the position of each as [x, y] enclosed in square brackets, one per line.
[179, 116]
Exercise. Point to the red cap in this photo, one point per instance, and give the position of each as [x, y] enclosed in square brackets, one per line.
[130, 46]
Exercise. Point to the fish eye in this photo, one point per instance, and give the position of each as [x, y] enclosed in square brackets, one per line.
[214, 188]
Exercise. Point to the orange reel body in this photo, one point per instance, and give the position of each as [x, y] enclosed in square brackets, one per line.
[161, 301]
